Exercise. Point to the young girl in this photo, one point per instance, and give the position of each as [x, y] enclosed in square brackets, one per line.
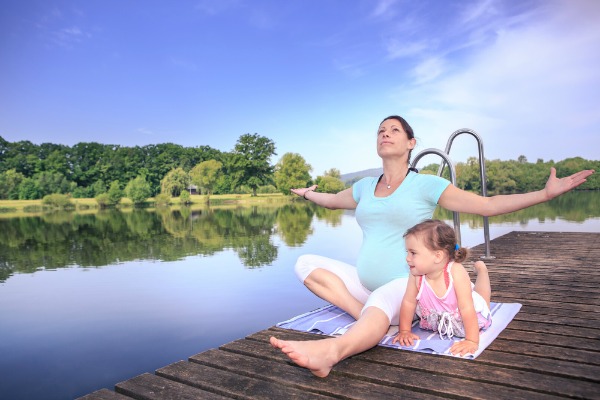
[439, 289]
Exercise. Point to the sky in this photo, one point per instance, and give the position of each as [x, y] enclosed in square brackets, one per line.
[315, 76]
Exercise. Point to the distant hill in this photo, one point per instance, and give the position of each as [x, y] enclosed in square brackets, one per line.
[361, 174]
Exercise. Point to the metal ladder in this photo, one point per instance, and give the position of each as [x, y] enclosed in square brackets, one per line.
[446, 160]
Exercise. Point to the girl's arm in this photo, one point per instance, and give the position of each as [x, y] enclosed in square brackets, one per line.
[343, 199]
[455, 199]
[407, 311]
[462, 286]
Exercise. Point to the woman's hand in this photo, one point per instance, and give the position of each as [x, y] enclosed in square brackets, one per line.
[557, 186]
[301, 192]
[405, 338]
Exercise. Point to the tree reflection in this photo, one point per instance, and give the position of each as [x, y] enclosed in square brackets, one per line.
[57, 240]
[294, 223]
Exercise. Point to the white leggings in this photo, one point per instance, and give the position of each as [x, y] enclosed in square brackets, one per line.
[387, 297]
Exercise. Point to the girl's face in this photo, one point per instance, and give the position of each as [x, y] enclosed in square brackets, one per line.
[420, 259]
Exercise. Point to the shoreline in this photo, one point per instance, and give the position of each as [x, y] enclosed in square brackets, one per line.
[28, 208]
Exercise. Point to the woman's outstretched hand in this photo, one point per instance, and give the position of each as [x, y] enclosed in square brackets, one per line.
[557, 186]
[301, 192]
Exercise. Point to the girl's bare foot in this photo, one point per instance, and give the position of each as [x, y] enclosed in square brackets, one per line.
[479, 267]
[482, 282]
[315, 355]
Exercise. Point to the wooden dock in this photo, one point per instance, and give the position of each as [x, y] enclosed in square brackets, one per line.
[550, 350]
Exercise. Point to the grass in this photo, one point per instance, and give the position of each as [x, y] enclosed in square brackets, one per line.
[19, 208]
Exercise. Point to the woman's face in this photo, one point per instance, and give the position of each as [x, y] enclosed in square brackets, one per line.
[393, 140]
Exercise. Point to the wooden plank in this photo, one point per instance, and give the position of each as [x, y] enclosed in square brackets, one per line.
[230, 382]
[557, 320]
[104, 394]
[452, 369]
[549, 366]
[545, 350]
[263, 362]
[547, 338]
[152, 387]
[556, 329]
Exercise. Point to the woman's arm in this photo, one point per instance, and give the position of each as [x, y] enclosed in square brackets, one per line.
[343, 199]
[455, 199]
[462, 287]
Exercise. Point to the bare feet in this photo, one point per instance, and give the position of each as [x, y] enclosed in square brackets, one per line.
[315, 355]
[479, 267]
[482, 282]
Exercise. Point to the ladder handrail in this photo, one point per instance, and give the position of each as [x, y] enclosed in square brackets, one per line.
[447, 159]
[482, 177]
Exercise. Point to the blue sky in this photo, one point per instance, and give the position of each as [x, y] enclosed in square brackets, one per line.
[315, 76]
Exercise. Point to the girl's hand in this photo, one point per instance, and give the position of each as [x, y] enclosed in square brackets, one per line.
[557, 186]
[405, 338]
[463, 348]
[301, 192]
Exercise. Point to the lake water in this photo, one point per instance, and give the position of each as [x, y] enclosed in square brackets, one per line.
[89, 300]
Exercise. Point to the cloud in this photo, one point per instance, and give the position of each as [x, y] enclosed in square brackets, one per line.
[535, 80]
[428, 70]
[384, 9]
[62, 28]
[349, 69]
[68, 37]
[396, 48]
[477, 11]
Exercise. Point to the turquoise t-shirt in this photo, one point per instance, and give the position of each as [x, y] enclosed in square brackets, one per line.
[384, 220]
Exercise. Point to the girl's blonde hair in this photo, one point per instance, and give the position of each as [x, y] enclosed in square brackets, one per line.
[437, 235]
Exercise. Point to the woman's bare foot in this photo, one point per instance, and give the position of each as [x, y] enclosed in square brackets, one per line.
[315, 355]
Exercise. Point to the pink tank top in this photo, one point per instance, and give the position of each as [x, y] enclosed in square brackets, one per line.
[441, 314]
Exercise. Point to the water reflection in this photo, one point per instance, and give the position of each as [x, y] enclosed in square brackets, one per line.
[57, 240]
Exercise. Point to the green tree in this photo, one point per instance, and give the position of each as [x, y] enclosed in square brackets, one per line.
[467, 175]
[56, 160]
[138, 190]
[9, 184]
[333, 172]
[89, 162]
[292, 171]
[29, 190]
[115, 193]
[185, 198]
[331, 182]
[206, 174]
[162, 200]
[175, 182]
[103, 200]
[57, 200]
[98, 187]
[250, 162]
[53, 182]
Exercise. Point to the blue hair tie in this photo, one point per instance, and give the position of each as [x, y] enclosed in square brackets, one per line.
[456, 247]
